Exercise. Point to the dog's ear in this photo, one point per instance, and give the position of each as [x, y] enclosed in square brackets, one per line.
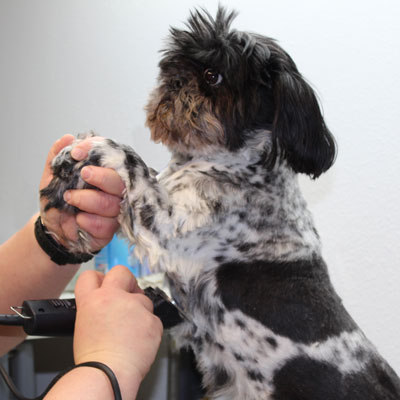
[299, 132]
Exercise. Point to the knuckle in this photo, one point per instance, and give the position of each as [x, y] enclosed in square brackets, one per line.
[86, 276]
[149, 320]
[158, 326]
[103, 178]
[75, 198]
[147, 303]
[98, 300]
[113, 280]
[109, 204]
[98, 226]
[96, 177]
[153, 324]
[155, 327]
[94, 225]
[104, 201]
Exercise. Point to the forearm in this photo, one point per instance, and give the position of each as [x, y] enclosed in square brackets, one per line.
[91, 384]
[26, 272]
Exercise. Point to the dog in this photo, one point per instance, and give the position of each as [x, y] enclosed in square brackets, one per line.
[228, 225]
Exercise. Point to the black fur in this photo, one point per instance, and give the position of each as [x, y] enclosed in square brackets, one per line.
[377, 382]
[294, 298]
[267, 87]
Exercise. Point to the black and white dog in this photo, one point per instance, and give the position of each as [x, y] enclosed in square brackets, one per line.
[228, 225]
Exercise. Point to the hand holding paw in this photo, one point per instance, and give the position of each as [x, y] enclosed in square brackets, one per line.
[98, 207]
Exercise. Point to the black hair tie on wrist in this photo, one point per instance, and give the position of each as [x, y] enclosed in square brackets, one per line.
[94, 364]
[56, 251]
[110, 374]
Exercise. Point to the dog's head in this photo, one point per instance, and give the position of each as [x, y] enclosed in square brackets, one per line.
[218, 85]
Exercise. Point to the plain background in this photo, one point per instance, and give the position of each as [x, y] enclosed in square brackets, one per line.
[77, 65]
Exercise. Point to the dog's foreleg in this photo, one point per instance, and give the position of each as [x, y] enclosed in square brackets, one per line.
[145, 216]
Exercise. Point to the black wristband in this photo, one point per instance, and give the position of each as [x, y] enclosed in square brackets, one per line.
[56, 251]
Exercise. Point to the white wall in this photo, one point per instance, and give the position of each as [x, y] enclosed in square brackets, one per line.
[71, 66]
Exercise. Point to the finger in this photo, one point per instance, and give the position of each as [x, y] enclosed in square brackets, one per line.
[145, 301]
[97, 226]
[119, 277]
[81, 149]
[66, 140]
[54, 150]
[105, 179]
[87, 282]
[94, 202]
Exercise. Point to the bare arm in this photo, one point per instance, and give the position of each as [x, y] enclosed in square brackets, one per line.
[26, 272]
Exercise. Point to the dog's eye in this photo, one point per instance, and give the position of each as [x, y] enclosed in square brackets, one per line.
[212, 77]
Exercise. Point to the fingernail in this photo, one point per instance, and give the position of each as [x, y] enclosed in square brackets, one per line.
[67, 196]
[77, 154]
[86, 173]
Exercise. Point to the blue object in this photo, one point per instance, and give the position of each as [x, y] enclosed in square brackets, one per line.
[118, 252]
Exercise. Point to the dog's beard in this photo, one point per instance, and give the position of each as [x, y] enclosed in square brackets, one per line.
[183, 118]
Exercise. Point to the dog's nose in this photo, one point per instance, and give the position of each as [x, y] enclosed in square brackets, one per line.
[177, 83]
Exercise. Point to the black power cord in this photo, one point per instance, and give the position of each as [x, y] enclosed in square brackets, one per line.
[12, 387]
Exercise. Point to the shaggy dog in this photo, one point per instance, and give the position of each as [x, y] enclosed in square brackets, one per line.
[228, 225]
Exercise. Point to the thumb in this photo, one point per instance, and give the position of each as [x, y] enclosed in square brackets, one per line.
[87, 282]
[54, 150]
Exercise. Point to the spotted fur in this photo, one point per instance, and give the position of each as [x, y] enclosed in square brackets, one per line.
[228, 225]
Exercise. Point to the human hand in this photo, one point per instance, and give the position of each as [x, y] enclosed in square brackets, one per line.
[115, 325]
[99, 208]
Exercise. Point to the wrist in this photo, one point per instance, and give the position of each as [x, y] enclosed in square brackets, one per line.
[56, 251]
[129, 381]
[40, 261]
[128, 377]
[52, 222]
[85, 382]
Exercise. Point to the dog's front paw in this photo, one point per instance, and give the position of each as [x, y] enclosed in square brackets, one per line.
[140, 185]
[66, 176]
